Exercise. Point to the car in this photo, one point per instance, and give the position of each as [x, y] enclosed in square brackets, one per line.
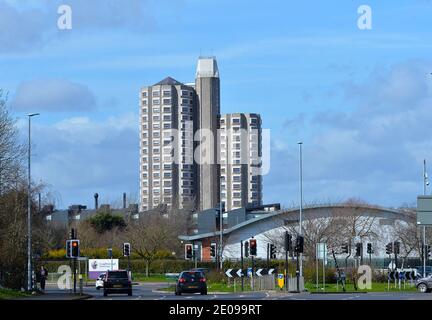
[203, 270]
[100, 281]
[420, 271]
[191, 282]
[424, 284]
[117, 281]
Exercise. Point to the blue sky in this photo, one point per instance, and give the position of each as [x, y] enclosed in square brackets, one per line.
[360, 100]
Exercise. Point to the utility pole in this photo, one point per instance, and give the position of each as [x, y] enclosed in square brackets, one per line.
[220, 234]
[29, 231]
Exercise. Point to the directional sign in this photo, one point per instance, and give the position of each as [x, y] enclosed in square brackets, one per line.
[229, 273]
[262, 272]
[272, 271]
[249, 272]
[281, 281]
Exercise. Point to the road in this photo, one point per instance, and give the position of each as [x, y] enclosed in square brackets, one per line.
[151, 291]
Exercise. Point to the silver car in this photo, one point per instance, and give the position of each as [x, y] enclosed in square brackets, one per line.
[424, 284]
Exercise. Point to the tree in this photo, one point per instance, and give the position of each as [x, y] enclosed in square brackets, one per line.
[151, 235]
[106, 221]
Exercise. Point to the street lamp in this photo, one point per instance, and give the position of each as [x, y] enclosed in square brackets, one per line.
[301, 201]
[29, 237]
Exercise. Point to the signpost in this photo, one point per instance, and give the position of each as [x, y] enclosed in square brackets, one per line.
[281, 280]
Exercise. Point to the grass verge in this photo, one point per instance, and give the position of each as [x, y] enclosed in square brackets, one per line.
[11, 294]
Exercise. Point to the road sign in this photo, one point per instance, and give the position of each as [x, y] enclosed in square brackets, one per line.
[249, 272]
[232, 273]
[281, 281]
[392, 265]
[261, 272]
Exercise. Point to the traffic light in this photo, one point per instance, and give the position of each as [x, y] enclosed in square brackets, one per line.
[126, 249]
[427, 251]
[68, 248]
[369, 248]
[188, 252]
[299, 244]
[345, 248]
[75, 251]
[272, 251]
[213, 250]
[246, 249]
[389, 248]
[396, 247]
[72, 233]
[253, 247]
[359, 249]
[288, 242]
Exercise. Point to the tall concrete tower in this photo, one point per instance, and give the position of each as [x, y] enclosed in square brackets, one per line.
[207, 87]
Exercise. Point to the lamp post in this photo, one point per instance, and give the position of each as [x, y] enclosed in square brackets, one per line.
[29, 237]
[425, 184]
[301, 201]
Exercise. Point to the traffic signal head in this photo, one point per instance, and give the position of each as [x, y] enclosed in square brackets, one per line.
[213, 250]
[396, 247]
[246, 249]
[299, 244]
[345, 248]
[359, 249]
[389, 248]
[369, 248]
[126, 249]
[75, 251]
[68, 248]
[188, 252]
[428, 251]
[288, 242]
[272, 251]
[253, 247]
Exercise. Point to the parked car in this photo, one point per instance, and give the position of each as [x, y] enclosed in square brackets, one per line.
[191, 282]
[100, 281]
[424, 284]
[117, 282]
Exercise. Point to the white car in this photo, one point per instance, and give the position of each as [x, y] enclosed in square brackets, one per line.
[100, 281]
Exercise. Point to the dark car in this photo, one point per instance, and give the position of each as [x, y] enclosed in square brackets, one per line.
[420, 270]
[191, 282]
[117, 282]
[424, 284]
[203, 270]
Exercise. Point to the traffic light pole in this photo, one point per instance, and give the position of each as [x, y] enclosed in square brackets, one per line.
[74, 273]
[252, 275]
[241, 265]
[298, 273]
[268, 255]
[286, 270]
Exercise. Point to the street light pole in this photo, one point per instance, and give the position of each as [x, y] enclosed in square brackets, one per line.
[301, 202]
[29, 236]
[425, 183]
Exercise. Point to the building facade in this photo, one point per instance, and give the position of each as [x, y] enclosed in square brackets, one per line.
[207, 86]
[240, 160]
[167, 172]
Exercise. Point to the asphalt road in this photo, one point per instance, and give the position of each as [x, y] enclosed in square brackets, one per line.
[149, 291]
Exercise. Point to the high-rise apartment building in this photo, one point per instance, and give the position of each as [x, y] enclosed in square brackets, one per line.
[167, 172]
[240, 159]
[182, 156]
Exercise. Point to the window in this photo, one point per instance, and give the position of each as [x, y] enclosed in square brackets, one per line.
[156, 93]
[156, 118]
[156, 110]
[185, 101]
[237, 195]
[236, 120]
[166, 118]
[144, 94]
[156, 101]
[236, 178]
[145, 102]
[236, 170]
[167, 125]
[167, 93]
[167, 109]
[166, 101]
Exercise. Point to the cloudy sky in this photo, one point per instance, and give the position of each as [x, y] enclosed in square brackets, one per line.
[360, 100]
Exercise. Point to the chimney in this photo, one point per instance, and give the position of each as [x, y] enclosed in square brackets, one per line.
[124, 200]
[96, 196]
